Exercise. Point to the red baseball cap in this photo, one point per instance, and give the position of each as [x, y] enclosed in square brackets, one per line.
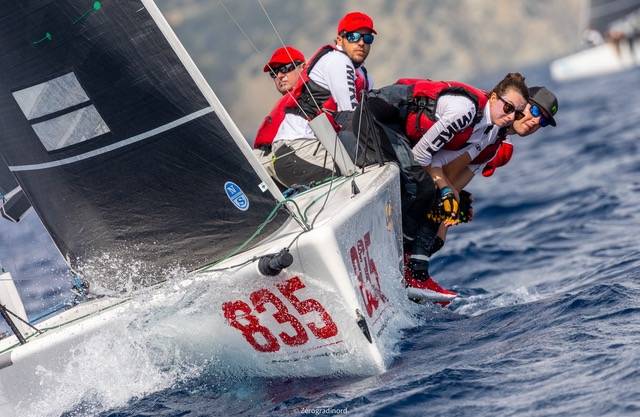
[283, 56]
[355, 20]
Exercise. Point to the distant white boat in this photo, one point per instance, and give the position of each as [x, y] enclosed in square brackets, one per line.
[602, 19]
[599, 60]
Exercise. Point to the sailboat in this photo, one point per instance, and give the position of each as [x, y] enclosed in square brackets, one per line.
[123, 149]
[603, 57]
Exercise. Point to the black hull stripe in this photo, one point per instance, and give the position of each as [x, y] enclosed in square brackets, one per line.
[114, 146]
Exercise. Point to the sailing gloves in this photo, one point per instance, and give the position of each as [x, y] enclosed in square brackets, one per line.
[465, 214]
[449, 206]
[452, 210]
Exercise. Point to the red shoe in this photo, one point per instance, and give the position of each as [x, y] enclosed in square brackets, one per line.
[425, 289]
[428, 290]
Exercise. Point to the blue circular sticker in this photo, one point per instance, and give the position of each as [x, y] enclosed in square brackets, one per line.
[236, 195]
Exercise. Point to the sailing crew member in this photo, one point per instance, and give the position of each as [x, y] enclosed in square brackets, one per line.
[438, 116]
[332, 81]
[499, 109]
[284, 67]
[539, 112]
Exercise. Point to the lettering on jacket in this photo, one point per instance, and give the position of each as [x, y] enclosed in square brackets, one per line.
[351, 83]
[445, 136]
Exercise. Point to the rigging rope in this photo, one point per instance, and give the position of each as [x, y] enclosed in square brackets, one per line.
[2, 306]
[270, 217]
[257, 51]
[289, 54]
[235, 251]
[320, 110]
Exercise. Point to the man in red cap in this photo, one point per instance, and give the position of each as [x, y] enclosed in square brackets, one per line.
[332, 81]
[284, 67]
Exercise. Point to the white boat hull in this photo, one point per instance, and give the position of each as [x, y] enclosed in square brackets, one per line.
[306, 321]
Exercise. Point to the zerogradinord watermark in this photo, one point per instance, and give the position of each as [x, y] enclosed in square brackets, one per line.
[323, 411]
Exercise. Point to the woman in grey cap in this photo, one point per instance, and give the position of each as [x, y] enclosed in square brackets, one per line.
[539, 111]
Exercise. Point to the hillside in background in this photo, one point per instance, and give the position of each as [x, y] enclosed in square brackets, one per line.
[453, 39]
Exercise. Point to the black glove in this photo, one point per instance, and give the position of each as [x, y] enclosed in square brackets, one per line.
[449, 206]
[466, 211]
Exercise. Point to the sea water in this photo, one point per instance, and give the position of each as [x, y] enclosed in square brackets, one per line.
[547, 325]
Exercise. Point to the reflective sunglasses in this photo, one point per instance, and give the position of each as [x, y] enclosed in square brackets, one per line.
[509, 108]
[283, 69]
[354, 37]
[537, 112]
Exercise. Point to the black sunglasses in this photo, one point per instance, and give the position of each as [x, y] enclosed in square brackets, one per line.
[509, 108]
[354, 37]
[284, 69]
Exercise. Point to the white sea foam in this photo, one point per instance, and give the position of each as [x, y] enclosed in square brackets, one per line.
[130, 357]
[478, 304]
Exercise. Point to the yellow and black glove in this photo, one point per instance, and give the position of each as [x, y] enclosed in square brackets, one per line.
[449, 206]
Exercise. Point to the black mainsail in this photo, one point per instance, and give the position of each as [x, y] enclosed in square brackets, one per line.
[118, 141]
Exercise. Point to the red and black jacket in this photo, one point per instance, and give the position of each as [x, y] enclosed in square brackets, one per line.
[422, 101]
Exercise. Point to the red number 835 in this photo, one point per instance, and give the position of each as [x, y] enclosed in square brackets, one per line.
[239, 315]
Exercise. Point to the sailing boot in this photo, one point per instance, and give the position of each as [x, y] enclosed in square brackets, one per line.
[420, 285]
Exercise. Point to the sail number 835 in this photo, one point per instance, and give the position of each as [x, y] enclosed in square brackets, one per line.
[241, 316]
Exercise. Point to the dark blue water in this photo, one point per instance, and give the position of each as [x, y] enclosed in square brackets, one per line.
[550, 273]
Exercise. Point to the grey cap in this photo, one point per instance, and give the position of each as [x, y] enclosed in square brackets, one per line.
[546, 100]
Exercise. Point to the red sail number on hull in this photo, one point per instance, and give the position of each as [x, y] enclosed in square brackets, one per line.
[240, 316]
[367, 274]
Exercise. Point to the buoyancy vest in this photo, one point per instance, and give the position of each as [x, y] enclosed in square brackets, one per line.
[495, 155]
[501, 158]
[311, 95]
[422, 101]
[270, 125]
[490, 151]
[304, 99]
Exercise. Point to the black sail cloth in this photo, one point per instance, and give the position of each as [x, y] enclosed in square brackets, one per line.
[114, 143]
